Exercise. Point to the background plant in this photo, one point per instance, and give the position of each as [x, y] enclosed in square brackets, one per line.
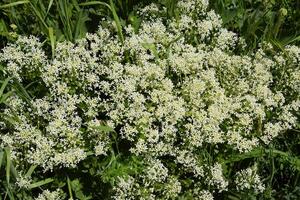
[267, 20]
[59, 20]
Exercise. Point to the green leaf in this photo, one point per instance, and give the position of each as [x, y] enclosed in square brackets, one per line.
[30, 170]
[3, 28]
[14, 4]
[49, 6]
[52, 40]
[252, 154]
[40, 183]
[80, 28]
[9, 193]
[69, 188]
[22, 91]
[14, 171]
[92, 3]
[117, 21]
[104, 128]
[5, 96]
[39, 15]
[152, 48]
[114, 13]
[8, 163]
[76, 5]
[12, 120]
[1, 158]
[4, 84]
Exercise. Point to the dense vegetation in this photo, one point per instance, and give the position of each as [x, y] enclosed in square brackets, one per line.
[187, 99]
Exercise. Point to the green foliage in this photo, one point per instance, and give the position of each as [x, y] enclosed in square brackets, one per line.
[273, 21]
[8, 187]
[59, 20]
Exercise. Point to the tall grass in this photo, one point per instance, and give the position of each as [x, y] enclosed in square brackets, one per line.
[59, 20]
[277, 22]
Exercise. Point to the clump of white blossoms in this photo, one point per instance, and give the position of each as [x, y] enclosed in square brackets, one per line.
[174, 90]
[50, 195]
[248, 179]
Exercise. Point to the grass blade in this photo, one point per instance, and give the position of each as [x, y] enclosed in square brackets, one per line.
[1, 158]
[92, 3]
[52, 40]
[152, 48]
[38, 14]
[30, 170]
[22, 91]
[14, 171]
[69, 188]
[3, 86]
[9, 194]
[290, 40]
[5, 96]
[14, 4]
[104, 128]
[64, 11]
[8, 165]
[40, 183]
[75, 4]
[80, 27]
[117, 21]
[49, 6]
[114, 13]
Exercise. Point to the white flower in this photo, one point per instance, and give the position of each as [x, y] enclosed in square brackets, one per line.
[248, 179]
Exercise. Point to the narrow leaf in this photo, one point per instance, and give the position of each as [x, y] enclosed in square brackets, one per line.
[52, 40]
[5, 96]
[92, 3]
[4, 86]
[13, 171]
[1, 158]
[40, 17]
[69, 188]
[19, 87]
[8, 193]
[104, 128]
[152, 48]
[8, 163]
[30, 170]
[13, 4]
[117, 21]
[40, 183]
[49, 6]
[75, 4]
[114, 13]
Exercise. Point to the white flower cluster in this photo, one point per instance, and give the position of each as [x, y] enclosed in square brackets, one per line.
[173, 91]
[24, 57]
[48, 195]
[23, 181]
[248, 179]
[216, 178]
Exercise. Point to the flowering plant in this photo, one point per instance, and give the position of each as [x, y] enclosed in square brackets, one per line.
[178, 94]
